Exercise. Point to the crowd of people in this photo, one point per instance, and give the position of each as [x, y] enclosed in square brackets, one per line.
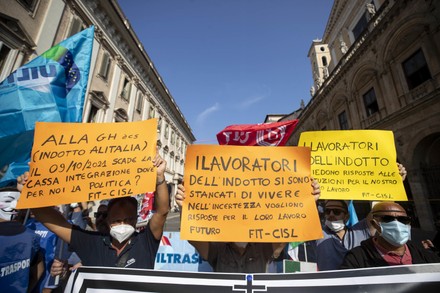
[39, 248]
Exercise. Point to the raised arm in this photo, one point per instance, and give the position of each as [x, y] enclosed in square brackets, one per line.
[201, 246]
[48, 216]
[162, 199]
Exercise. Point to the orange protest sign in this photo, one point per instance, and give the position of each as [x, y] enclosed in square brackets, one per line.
[248, 194]
[76, 162]
[355, 164]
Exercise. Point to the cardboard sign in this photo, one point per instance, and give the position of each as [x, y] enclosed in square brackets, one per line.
[75, 162]
[355, 164]
[248, 194]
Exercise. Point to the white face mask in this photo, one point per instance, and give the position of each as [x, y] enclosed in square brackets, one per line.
[8, 202]
[121, 232]
[335, 226]
[241, 244]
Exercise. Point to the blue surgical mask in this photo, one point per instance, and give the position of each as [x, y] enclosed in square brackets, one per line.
[395, 233]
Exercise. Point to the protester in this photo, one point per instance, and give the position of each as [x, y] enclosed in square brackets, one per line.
[21, 261]
[392, 245]
[338, 238]
[122, 247]
[63, 268]
[239, 257]
[48, 244]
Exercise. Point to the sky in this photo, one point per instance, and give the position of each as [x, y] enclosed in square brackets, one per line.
[230, 62]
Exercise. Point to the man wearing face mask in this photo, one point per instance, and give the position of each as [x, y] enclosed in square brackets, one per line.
[122, 246]
[391, 246]
[338, 238]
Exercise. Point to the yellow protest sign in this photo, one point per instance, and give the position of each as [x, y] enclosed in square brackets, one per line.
[248, 194]
[355, 164]
[75, 162]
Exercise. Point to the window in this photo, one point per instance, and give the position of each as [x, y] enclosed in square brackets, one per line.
[4, 53]
[139, 103]
[416, 70]
[151, 112]
[93, 112]
[370, 102]
[125, 94]
[29, 4]
[324, 61]
[159, 124]
[75, 27]
[343, 121]
[167, 128]
[173, 137]
[120, 115]
[98, 104]
[105, 66]
[360, 27]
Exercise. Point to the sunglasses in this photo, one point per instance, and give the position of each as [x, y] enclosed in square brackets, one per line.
[386, 219]
[336, 212]
[99, 214]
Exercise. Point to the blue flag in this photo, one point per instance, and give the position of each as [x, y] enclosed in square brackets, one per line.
[353, 215]
[50, 88]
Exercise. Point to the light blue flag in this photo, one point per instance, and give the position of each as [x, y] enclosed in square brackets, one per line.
[353, 215]
[50, 88]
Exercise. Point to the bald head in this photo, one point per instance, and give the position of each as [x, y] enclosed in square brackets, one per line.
[393, 225]
[388, 208]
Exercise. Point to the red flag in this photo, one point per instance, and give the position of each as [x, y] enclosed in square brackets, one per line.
[263, 134]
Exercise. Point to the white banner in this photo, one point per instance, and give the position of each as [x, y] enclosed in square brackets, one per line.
[408, 278]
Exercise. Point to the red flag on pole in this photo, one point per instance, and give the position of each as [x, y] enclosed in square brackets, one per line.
[263, 134]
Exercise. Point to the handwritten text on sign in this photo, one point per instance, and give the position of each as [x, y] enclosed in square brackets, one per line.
[248, 194]
[355, 164]
[74, 162]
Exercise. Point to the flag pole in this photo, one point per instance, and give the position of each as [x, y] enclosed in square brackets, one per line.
[26, 217]
[305, 251]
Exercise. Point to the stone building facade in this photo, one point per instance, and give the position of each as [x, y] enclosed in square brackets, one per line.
[123, 84]
[378, 67]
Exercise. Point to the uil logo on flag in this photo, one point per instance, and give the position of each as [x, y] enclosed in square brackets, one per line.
[49, 88]
[271, 136]
[263, 134]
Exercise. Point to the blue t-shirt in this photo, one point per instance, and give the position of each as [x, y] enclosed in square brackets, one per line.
[95, 249]
[18, 251]
[48, 243]
[331, 250]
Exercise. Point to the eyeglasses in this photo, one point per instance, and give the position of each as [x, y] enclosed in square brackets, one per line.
[99, 214]
[386, 219]
[336, 212]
